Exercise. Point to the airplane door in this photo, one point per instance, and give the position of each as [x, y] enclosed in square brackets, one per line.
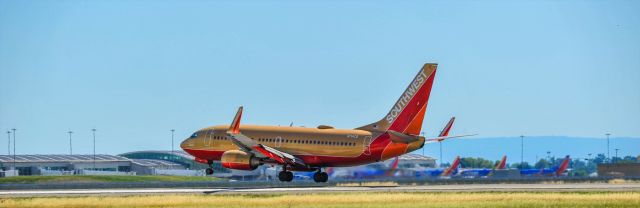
[208, 138]
[367, 145]
[278, 141]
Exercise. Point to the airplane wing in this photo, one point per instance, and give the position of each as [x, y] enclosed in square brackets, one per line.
[249, 145]
[280, 156]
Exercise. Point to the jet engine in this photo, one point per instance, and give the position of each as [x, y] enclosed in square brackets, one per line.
[239, 160]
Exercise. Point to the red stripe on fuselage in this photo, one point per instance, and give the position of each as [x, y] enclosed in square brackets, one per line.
[205, 154]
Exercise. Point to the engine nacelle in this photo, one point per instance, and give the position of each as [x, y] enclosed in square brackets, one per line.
[239, 160]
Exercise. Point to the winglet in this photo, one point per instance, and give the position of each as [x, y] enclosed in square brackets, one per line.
[235, 124]
[447, 128]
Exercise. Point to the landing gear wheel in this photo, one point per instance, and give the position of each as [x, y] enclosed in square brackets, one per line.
[289, 176]
[209, 171]
[285, 176]
[320, 177]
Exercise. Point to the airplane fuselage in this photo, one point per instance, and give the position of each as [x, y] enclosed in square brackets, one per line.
[327, 147]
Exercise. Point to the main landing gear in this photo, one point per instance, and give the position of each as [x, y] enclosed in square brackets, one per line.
[285, 176]
[320, 177]
[209, 170]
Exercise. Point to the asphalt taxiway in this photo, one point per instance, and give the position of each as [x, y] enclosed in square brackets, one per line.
[272, 190]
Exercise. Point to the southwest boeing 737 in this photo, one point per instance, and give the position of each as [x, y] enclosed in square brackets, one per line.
[245, 147]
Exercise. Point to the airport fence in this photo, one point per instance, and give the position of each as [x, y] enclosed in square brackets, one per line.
[102, 172]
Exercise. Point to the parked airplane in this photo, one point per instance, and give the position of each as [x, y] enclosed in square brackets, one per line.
[378, 172]
[440, 172]
[554, 171]
[484, 172]
[245, 147]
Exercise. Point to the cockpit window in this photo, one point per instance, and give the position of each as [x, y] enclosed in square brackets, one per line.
[194, 135]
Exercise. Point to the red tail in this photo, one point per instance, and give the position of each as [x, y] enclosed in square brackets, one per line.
[563, 166]
[454, 166]
[447, 128]
[407, 114]
[502, 164]
[393, 167]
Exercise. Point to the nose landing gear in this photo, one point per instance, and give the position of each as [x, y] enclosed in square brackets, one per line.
[209, 170]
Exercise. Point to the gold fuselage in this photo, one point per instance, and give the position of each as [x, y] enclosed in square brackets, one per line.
[209, 143]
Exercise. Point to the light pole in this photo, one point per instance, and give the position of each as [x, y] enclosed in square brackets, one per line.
[616, 155]
[521, 151]
[440, 142]
[9, 144]
[70, 144]
[608, 158]
[14, 148]
[548, 155]
[172, 131]
[94, 148]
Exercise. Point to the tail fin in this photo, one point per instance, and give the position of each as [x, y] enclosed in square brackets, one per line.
[394, 164]
[501, 165]
[447, 128]
[407, 114]
[453, 168]
[393, 167]
[563, 166]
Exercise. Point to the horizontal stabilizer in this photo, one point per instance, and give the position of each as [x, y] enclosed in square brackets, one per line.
[398, 137]
[439, 139]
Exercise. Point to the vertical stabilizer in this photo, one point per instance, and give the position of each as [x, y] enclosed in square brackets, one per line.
[453, 168]
[407, 114]
[502, 164]
[563, 166]
[447, 128]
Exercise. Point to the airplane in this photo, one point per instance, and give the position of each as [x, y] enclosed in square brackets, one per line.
[440, 172]
[484, 172]
[554, 171]
[377, 172]
[245, 147]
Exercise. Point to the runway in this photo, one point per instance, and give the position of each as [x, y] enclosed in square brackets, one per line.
[290, 190]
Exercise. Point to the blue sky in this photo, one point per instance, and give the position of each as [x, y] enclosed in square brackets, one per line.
[135, 69]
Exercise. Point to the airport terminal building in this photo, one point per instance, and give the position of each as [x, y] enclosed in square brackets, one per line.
[132, 163]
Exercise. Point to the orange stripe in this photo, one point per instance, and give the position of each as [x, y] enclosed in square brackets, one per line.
[416, 124]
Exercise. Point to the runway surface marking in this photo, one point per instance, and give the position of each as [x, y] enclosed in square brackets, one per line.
[428, 188]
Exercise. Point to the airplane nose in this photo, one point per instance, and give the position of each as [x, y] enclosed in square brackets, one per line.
[185, 144]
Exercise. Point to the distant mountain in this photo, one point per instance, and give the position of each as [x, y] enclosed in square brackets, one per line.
[535, 147]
